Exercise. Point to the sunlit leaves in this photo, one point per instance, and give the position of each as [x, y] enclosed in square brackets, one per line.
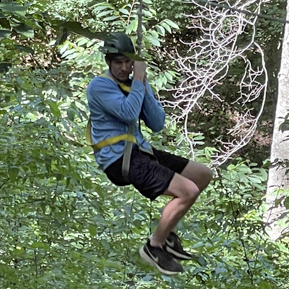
[161, 30]
[153, 40]
[64, 224]
[54, 108]
[132, 27]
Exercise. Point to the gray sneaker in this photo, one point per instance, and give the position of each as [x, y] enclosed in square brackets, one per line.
[161, 259]
[175, 248]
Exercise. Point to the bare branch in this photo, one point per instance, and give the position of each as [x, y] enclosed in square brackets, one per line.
[205, 67]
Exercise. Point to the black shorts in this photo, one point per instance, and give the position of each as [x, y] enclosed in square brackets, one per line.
[150, 175]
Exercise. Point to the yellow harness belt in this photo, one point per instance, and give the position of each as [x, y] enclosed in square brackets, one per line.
[108, 141]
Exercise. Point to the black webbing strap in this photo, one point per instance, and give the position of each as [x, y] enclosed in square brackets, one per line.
[127, 155]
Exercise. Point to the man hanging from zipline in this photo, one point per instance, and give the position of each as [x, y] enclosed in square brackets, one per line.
[117, 102]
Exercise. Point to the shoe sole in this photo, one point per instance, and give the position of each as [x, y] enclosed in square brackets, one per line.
[146, 258]
[177, 255]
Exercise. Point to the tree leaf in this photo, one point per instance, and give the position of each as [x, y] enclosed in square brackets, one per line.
[70, 114]
[265, 285]
[199, 259]
[110, 18]
[161, 30]
[153, 40]
[134, 56]
[54, 108]
[13, 8]
[286, 203]
[5, 33]
[98, 6]
[132, 26]
[24, 48]
[284, 126]
[167, 27]
[104, 13]
[24, 30]
[77, 28]
[92, 230]
[4, 22]
[171, 23]
[61, 38]
[124, 11]
[4, 66]
[13, 173]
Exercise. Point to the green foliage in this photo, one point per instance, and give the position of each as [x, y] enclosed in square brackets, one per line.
[114, 16]
[270, 34]
[64, 225]
[15, 26]
[285, 125]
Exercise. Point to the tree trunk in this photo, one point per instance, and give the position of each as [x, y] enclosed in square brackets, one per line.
[276, 214]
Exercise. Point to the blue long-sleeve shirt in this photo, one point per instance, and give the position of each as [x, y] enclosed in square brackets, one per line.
[112, 112]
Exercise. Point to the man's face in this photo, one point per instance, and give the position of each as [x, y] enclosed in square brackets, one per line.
[121, 68]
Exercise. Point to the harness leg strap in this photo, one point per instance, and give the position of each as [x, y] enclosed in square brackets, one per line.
[126, 161]
[127, 155]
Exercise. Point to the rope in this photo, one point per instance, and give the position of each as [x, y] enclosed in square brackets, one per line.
[139, 28]
[138, 47]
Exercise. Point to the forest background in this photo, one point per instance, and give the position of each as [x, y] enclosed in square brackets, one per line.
[214, 66]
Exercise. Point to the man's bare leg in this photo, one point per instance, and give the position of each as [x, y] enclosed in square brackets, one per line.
[201, 175]
[184, 189]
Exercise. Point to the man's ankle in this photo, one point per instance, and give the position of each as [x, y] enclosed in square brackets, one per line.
[155, 243]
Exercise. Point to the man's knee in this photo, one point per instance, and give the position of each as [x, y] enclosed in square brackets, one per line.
[183, 188]
[207, 175]
[200, 174]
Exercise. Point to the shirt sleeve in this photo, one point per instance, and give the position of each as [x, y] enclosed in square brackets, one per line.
[153, 113]
[105, 93]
